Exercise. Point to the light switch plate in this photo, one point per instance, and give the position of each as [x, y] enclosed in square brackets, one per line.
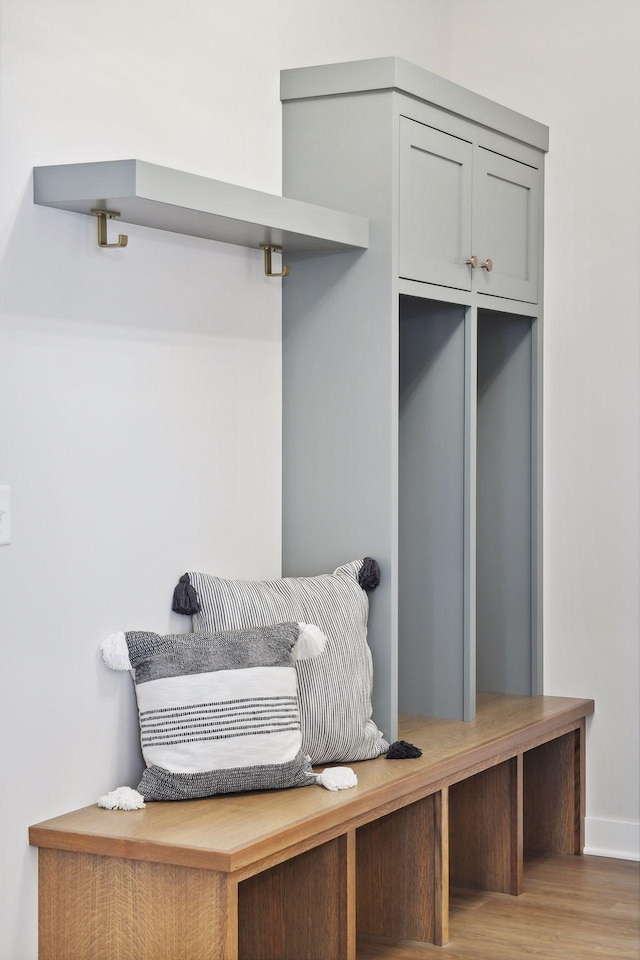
[5, 515]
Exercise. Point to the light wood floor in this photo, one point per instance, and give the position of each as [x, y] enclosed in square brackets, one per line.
[572, 908]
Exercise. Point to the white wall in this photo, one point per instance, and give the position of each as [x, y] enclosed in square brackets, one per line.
[574, 65]
[140, 401]
[140, 388]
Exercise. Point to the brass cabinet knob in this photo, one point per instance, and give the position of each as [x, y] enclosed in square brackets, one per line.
[487, 265]
[472, 262]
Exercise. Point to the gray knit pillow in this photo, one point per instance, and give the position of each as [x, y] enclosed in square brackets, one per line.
[218, 711]
[334, 689]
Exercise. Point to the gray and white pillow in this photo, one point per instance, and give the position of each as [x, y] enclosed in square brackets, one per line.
[335, 689]
[218, 711]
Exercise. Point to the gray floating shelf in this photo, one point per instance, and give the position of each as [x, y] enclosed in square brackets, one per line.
[154, 196]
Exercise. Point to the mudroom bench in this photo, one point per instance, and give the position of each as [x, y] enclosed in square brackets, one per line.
[299, 874]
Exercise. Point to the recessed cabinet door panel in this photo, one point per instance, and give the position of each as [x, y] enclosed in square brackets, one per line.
[435, 206]
[505, 226]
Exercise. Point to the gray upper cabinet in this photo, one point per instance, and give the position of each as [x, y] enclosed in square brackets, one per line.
[435, 206]
[507, 209]
[468, 216]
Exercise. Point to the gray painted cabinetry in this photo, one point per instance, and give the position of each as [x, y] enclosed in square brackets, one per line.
[412, 403]
[456, 197]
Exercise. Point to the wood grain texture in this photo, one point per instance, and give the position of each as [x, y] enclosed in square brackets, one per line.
[104, 908]
[396, 857]
[572, 908]
[517, 826]
[483, 830]
[229, 833]
[553, 810]
[299, 909]
[441, 892]
[348, 895]
[287, 872]
[580, 784]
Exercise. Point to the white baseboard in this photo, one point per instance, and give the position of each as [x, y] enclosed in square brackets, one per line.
[612, 838]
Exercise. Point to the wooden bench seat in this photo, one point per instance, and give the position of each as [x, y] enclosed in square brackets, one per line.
[296, 874]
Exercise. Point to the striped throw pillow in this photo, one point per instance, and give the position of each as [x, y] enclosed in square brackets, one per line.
[218, 711]
[334, 689]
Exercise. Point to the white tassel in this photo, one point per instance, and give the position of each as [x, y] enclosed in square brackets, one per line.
[115, 652]
[337, 778]
[123, 798]
[310, 643]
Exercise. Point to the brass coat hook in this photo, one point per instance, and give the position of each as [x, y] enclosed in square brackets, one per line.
[102, 217]
[268, 250]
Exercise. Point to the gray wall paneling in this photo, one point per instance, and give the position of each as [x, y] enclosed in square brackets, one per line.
[340, 380]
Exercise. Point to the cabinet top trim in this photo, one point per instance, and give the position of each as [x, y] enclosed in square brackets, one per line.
[393, 73]
[154, 196]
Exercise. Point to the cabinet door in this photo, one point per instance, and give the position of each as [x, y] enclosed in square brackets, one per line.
[506, 198]
[435, 206]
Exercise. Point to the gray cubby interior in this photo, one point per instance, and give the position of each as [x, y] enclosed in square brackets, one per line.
[431, 495]
[504, 507]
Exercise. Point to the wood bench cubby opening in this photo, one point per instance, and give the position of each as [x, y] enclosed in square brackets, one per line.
[387, 878]
[530, 803]
[553, 787]
[485, 829]
[402, 873]
[302, 907]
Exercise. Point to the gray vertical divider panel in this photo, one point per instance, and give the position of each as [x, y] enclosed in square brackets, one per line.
[504, 503]
[470, 483]
[340, 393]
[431, 525]
[536, 494]
[537, 459]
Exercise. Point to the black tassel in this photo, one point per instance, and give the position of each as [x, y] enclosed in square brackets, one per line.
[402, 750]
[185, 598]
[369, 576]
